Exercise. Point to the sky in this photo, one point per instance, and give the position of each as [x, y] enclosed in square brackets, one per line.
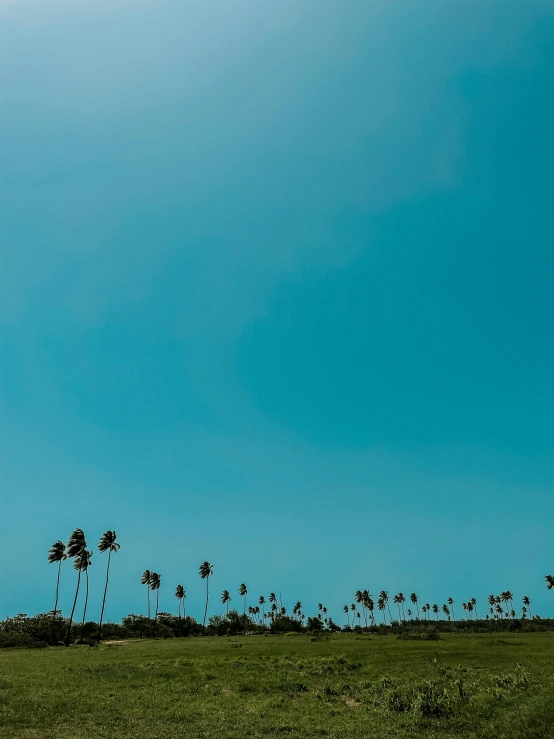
[276, 291]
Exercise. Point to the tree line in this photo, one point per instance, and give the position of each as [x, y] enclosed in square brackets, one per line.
[500, 607]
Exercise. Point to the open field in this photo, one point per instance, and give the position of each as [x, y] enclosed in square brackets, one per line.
[295, 686]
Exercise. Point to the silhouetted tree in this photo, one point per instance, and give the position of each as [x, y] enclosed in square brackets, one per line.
[107, 543]
[76, 544]
[206, 569]
[243, 590]
[57, 554]
[145, 580]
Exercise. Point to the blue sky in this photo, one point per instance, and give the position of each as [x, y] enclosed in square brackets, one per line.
[276, 291]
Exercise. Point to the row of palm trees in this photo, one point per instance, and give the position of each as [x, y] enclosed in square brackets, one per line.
[76, 549]
[364, 600]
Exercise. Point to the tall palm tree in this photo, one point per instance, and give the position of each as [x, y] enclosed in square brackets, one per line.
[450, 602]
[470, 607]
[155, 582]
[261, 601]
[76, 544]
[347, 612]
[381, 607]
[436, 610]
[145, 580]
[57, 554]
[243, 590]
[446, 611]
[206, 569]
[402, 600]
[272, 598]
[179, 594]
[384, 596]
[507, 597]
[474, 604]
[527, 603]
[359, 598]
[396, 600]
[549, 581]
[414, 599]
[225, 598]
[427, 609]
[371, 609]
[106, 544]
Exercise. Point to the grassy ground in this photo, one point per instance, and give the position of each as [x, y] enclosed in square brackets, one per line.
[343, 686]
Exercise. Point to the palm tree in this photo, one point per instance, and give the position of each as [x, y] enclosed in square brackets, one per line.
[155, 582]
[272, 598]
[446, 611]
[243, 590]
[384, 596]
[359, 598]
[371, 608]
[414, 599]
[549, 581]
[57, 554]
[402, 600]
[345, 609]
[450, 602]
[76, 544]
[507, 597]
[107, 543]
[427, 608]
[206, 569]
[145, 580]
[436, 610]
[396, 600]
[261, 601]
[474, 604]
[381, 607]
[82, 562]
[179, 594]
[225, 598]
[527, 603]
[470, 607]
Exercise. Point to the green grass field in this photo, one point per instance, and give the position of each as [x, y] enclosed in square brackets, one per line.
[262, 686]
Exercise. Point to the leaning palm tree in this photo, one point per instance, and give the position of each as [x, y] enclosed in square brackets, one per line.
[347, 612]
[381, 607]
[446, 611]
[549, 581]
[450, 602]
[384, 596]
[371, 609]
[106, 544]
[470, 607]
[414, 599]
[272, 598]
[474, 604]
[76, 544]
[155, 582]
[396, 600]
[225, 598]
[359, 599]
[57, 554]
[243, 590]
[179, 594]
[206, 569]
[82, 562]
[436, 610]
[402, 600]
[527, 603]
[145, 580]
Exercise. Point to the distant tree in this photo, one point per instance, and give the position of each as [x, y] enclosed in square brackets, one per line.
[145, 580]
[57, 554]
[527, 603]
[414, 599]
[261, 601]
[243, 590]
[427, 609]
[381, 607]
[446, 611]
[384, 596]
[226, 599]
[206, 569]
[470, 607]
[549, 581]
[106, 544]
[76, 544]
[450, 602]
[402, 600]
[359, 598]
[474, 604]
[436, 610]
[396, 600]
[179, 594]
[155, 583]
[345, 609]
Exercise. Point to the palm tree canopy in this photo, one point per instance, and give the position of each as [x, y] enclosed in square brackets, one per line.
[108, 541]
[272, 598]
[145, 577]
[82, 561]
[526, 600]
[56, 553]
[76, 543]
[243, 590]
[413, 598]
[155, 581]
[225, 597]
[179, 592]
[450, 601]
[261, 600]
[206, 569]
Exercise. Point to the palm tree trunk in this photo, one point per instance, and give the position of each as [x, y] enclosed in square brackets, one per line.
[390, 614]
[417, 606]
[157, 601]
[148, 586]
[245, 615]
[105, 591]
[73, 610]
[86, 599]
[206, 609]
[57, 589]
